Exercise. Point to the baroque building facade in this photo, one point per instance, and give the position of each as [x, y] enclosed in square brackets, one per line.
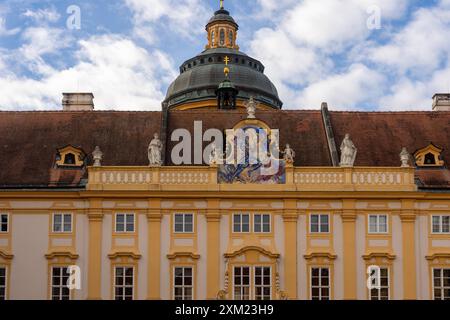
[77, 190]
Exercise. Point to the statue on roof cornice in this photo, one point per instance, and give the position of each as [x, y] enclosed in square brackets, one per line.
[404, 158]
[289, 154]
[154, 151]
[251, 108]
[348, 152]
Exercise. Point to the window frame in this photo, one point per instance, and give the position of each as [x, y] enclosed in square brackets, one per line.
[63, 222]
[7, 222]
[441, 287]
[241, 223]
[388, 287]
[262, 286]
[125, 223]
[441, 223]
[183, 286]
[184, 214]
[252, 286]
[124, 286]
[62, 285]
[377, 224]
[261, 224]
[319, 223]
[320, 286]
[242, 286]
[5, 287]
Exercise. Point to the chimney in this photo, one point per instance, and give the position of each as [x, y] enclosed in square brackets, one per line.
[441, 102]
[78, 101]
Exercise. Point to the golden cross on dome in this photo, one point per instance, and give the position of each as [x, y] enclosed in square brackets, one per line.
[226, 70]
[221, 4]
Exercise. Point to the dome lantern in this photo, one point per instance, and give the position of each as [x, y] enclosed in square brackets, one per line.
[222, 30]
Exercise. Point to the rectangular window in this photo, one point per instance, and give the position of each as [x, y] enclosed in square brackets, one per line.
[62, 222]
[241, 222]
[262, 283]
[378, 223]
[261, 223]
[60, 291]
[123, 283]
[4, 222]
[183, 283]
[125, 222]
[3, 282]
[441, 224]
[383, 292]
[320, 283]
[184, 223]
[319, 223]
[441, 284]
[241, 283]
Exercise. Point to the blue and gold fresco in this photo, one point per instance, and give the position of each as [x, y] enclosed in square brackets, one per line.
[247, 170]
[250, 173]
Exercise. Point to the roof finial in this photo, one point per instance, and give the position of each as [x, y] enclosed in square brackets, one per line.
[226, 70]
[221, 4]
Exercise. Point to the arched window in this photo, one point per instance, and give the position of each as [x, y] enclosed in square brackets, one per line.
[230, 37]
[69, 158]
[222, 37]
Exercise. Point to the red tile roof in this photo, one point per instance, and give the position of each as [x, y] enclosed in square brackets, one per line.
[29, 140]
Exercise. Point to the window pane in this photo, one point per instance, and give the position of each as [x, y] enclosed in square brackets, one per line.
[130, 218]
[257, 222]
[314, 224]
[245, 223]
[372, 223]
[436, 223]
[67, 227]
[189, 227]
[382, 219]
[324, 223]
[188, 218]
[446, 224]
[120, 218]
[315, 293]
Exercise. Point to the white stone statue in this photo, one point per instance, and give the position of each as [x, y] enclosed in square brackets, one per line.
[289, 154]
[154, 151]
[251, 108]
[214, 157]
[97, 155]
[404, 158]
[348, 152]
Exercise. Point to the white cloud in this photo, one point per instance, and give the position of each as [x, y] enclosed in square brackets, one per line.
[39, 42]
[4, 31]
[344, 91]
[43, 15]
[421, 46]
[185, 18]
[121, 75]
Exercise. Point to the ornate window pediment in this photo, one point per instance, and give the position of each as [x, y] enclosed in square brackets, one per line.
[70, 156]
[430, 156]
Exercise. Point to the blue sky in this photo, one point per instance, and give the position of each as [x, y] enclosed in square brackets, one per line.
[128, 51]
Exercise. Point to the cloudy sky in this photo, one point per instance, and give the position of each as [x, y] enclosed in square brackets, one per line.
[128, 51]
